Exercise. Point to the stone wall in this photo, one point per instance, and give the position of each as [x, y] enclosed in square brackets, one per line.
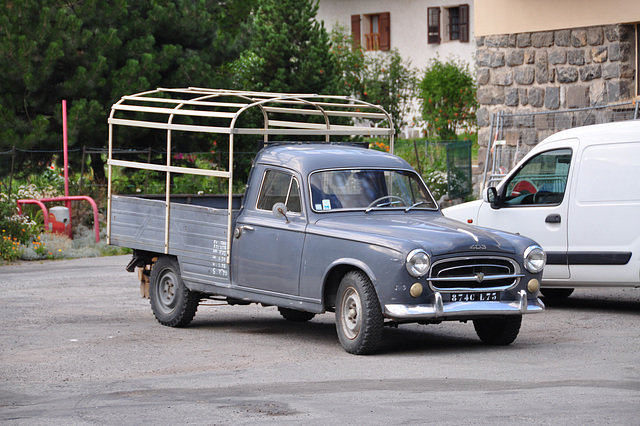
[551, 71]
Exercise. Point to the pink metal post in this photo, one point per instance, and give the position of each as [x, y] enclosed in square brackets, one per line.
[66, 160]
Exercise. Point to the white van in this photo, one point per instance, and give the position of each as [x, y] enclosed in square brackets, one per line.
[577, 193]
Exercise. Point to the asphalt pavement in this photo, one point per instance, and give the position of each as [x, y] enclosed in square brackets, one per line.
[79, 346]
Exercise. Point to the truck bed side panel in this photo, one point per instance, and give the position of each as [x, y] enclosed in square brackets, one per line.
[197, 234]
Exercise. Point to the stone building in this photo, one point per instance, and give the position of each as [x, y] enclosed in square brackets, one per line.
[536, 58]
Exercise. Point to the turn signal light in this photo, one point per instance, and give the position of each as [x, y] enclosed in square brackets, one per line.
[415, 290]
[533, 285]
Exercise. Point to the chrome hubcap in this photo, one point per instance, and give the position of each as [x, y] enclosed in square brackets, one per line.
[167, 291]
[351, 310]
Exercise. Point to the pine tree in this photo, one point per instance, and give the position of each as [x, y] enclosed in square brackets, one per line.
[92, 52]
[290, 50]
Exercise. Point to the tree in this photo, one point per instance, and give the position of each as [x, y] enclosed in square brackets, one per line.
[381, 78]
[448, 95]
[289, 51]
[93, 52]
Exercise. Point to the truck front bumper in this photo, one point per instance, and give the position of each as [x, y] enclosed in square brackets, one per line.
[463, 310]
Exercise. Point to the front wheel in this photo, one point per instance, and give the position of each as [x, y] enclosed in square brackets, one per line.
[498, 331]
[173, 304]
[359, 320]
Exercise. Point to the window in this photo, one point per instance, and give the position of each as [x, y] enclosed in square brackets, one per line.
[457, 27]
[454, 23]
[541, 181]
[378, 33]
[279, 187]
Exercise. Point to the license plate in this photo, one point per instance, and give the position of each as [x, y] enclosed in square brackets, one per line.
[475, 297]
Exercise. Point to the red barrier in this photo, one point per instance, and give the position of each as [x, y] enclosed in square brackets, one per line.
[69, 198]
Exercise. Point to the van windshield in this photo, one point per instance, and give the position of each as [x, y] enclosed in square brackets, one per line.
[368, 189]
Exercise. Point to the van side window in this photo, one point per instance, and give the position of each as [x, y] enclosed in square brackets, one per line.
[279, 187]
[541, 181]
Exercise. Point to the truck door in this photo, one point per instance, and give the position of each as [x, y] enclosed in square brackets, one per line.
[266, 250]
[534, 202]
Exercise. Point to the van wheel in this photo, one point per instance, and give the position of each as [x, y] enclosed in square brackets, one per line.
[498, 331]
[359, 320]
[556, 293]
[294, 315]
[173, 304]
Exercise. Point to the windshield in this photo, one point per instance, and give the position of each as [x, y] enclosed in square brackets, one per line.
[368, 190]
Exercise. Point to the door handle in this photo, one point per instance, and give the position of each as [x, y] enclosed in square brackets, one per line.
[240, 229]
[553, 218]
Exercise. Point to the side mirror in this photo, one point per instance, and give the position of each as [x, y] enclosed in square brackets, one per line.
[490, 195]
[280, 210]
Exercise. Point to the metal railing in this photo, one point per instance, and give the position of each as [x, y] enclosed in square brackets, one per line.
[216, 111]
[503, 154]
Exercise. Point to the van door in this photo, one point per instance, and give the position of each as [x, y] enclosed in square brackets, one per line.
[534, 201]
[604, 235]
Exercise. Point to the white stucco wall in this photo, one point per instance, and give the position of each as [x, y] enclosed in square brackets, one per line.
[408, 26]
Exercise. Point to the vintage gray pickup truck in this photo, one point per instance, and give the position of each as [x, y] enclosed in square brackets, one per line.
[323, 227]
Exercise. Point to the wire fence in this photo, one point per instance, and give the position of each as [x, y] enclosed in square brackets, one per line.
[446, 166]
[512, 135]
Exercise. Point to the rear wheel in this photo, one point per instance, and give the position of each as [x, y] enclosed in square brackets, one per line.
[173, 304]
[294, 315]
[556, 293]
[359, 319]
[498, 331]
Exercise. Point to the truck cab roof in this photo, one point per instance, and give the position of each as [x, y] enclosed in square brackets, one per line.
[308, 157]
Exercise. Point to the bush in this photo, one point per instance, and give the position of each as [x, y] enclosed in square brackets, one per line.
[10, 247]
[448, 95]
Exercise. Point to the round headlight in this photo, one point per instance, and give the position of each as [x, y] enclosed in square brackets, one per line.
[534, 259]
[418, 263]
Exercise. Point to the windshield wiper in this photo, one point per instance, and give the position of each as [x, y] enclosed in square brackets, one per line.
[414, 205]
[385, 204]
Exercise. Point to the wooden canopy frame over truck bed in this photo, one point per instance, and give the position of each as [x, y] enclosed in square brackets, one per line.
[218, 111]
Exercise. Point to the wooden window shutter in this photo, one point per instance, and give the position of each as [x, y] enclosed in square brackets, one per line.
[433, 25]
[355, 30]
[384, 28]
[464, 23]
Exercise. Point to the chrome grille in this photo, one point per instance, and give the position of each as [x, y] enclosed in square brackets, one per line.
[474, 273]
